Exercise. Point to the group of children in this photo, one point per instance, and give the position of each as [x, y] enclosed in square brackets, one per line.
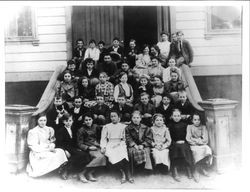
[124, 112]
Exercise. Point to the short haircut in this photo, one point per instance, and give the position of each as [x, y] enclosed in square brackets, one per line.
[103, 73]
[115, 111]
[156, 47]
[159, 77]
[116, 38]
[88, 114]
[107, 54]
[77, 97]
[136, 112]
[179, 33]
[155, 57]
[89, 60]
[66, 116]
[121, 74]
[176, 110]
[174, 70]
[80, 39]
[71, 62]
[132, 40]
[101, 42]
[92, 41]
[66, 71]
[157, 115]
[144, 94]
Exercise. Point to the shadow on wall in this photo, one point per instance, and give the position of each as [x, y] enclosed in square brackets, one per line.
[26, 93]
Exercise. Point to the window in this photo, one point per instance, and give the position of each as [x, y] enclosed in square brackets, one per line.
[223, 20]
[21, 26]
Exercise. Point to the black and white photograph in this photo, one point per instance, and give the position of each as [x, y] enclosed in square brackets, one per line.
[125, 95]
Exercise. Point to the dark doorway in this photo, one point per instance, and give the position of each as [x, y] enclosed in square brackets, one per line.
[140, 23]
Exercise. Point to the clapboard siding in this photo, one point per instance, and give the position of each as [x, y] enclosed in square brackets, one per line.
[41, 65]
[221, 50]
[50, 52]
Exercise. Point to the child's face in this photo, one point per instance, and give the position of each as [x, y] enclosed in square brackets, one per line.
[99, 100]
[179, 37]
[116, 43]
[124, 78]
[85, 82]
[174, 76]
[42, 121]
[155, 62]
[90, 65]
[157, 81]
[102, 78]
[78, 102]
[88, 121]
[58, 102]
[114, 117]
[136, 119]
[153, 50]
[80, 44]
[121, 100]
[144, 99]
[100, 46]
[146, 50]
[107, 59]
[176, 116]
[67, 77]
[165, 100]
[182, 97]
[164, 37]
[92, 45]
[69, 122]
[171, 63]
[132, 44]
[125, 67]
[72, 67]
[174, 37]
[143, 81]
[196, 120]
[159, 121]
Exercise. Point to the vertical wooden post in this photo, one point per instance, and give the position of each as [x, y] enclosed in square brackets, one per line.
[17, 125]
[219, 115]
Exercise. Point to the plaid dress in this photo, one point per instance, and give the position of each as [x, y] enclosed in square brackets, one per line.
[107, 89]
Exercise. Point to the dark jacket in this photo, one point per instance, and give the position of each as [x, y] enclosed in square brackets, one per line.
[100, 110]
[126, 109]
[86, 93]
[109, 68]
[172, 86]
[166, 113]
[138, 135]
[64, 141]
[94, 74]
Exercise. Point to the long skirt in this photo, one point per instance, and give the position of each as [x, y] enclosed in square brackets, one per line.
[98, 159]
[181, 152]
[116, 151]
[140, 156]
[200, 152]
[45, 162]
[161, 157]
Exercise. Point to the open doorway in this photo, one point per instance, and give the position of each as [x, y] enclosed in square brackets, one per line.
[140, 23]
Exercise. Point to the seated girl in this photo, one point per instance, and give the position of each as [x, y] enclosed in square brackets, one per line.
[87, 140]
[158, 89]
[197, 137]
[166, 72]
[180, 152]
[155, 69]
[174, 85]
[44, 157]
[67, 87]
[113, 145]
[161, 141]
[138, 139]
[105, 88]
[142, 61]
[86, 91]
[156, 52]
[92, 52]
[124, 88]
[77, 159]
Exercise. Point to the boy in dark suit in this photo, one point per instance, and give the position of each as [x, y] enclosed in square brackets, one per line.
[166, 107]
[124, 110]
[71, 67]
[79, 52]
[147, 109]
[116, 51]
[91, 72]
[100, 111]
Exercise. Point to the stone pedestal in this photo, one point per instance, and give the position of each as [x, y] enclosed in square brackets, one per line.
[219, 116]
[17, 124]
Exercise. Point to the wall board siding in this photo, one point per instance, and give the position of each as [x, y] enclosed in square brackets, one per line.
[50, 11]
[57, 20]
[33, 66]
[223, 51]
[58, 29]
[53, 38]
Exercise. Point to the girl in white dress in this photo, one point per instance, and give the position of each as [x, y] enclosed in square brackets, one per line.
[113, 145]
[197, 137]
[43, 157]
[161, 141]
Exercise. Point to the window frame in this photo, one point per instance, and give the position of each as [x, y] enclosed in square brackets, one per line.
[29, 39]
[210, 33]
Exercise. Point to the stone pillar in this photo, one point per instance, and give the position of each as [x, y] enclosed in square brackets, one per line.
[17, 124]
[219, 116]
